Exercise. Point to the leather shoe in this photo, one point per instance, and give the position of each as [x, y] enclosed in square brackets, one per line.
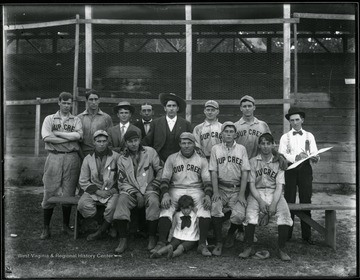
[246, 253]
[218, 250]
[309, 241]
[203, 250]
[45, 233]
[284, 256]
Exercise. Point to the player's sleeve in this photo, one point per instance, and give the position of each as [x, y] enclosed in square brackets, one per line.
[267, 129]
[78, 127]
[280, 177]
[245, 166]
[252, 173]
[213, 166]
[85, 177]
[46, 129]
[166, 175]
[109, 122]
[205, 176]
[157, 166]
[196, 134]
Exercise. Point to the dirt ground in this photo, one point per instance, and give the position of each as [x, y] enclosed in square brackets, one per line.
[26, 256]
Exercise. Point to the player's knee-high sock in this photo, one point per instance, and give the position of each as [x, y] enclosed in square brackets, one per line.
[217, 223]
[249, 234]
[232, 229]
[283, 231]
[164, 228]
[66, 214]
[47, 216]
[204, 224]
[152, 227]
[240, 228]
[121, 226]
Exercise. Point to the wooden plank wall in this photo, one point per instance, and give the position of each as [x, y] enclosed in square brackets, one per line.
[330, 103]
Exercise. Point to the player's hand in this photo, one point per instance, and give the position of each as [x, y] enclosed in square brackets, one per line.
[272, 209]
[107, 184]
[102, 193]
[315, 159]
[215, 197]
[166, 201]
[241, 199]
[140, 200]
[301, 156]
[207, 202]
[263, 207]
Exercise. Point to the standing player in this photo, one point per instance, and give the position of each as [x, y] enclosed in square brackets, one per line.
[146, 113]
[249, 129]
[124, 110]
[207, 134]
[229, 168]
[296, 145]
[164, 134]
[92, 119]
[266, 186]
[98, 180]
[185, 173]
[61, 133]
[139, 179]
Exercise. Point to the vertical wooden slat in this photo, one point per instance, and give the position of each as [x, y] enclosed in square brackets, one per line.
[76, 68]
[37, 126]
[330, 226]
[295, 63]
[88, 47]
[188, 61]
[286, 65]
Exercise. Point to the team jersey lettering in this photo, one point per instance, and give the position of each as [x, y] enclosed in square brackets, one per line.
[69, 128]
[189, 167]
[231, 159]
[213, 134]
[266, 171]
[252, 132]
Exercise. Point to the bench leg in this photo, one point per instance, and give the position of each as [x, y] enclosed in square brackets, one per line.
[330, 226]
[76, 226]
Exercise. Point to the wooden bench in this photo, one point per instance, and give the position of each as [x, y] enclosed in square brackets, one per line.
[73, 200]
[329, 231]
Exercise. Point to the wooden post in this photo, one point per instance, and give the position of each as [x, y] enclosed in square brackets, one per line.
[295, 63]
[76, 68]
[37, 126]
[188, 62]
[88, 47]
[330, 226]
[287, 65]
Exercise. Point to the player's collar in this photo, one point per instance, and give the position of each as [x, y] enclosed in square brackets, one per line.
[207, 123]
[243, 121]
[259, 157]
[58, 116]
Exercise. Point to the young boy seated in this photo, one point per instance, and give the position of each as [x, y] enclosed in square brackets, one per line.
[186, 230]
[266, 198]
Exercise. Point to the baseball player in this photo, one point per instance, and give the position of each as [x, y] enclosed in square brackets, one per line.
[249, 128]
[98, 180]
[61, 133]
[186, 230]
[207, 134]
[229, 168]
[296, 145]
[185, 173]
[92, 119]
[139, 179]
[266, 186]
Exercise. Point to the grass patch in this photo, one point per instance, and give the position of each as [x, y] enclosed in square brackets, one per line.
[26, 256]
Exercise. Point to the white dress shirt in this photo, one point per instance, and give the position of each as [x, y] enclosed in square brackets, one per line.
[126, 126]
[171, 122]
[146, 126]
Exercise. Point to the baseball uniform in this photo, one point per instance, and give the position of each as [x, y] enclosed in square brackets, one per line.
[207, 135]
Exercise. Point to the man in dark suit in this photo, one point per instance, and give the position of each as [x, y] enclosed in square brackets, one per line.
[146, 114]
[116, 133]
[164, 134]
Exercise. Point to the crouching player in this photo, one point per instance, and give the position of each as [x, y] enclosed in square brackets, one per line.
[266, 185]
[186, 230]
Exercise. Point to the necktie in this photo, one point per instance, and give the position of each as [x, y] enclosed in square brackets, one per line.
[185, 221]
[147, 123]
[298, 132]
[122, 131]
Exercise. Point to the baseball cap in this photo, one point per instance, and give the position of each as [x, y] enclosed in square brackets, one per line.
[130, 134]
[188, 135]
[228, 123]
[100, 132]
[212, 103]
[247, 98]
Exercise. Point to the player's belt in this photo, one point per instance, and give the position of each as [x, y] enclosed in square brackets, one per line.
[229, 185]
[57, 152]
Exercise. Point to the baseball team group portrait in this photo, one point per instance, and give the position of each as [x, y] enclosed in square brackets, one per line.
[180, 141]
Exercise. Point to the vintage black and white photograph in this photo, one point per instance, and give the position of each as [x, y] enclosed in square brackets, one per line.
[180, 140]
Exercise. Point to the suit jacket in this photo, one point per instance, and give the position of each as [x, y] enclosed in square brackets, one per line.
[156, 137]
[140, 125]
[116, 140]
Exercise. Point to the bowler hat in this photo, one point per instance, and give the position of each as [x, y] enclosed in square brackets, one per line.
[294, 111]
[124, 104]
[165, 97]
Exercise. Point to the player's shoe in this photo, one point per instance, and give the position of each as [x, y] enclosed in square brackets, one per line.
[203, 250]
[283, 256]
[152, 243]
[217, 250]
[246, 253]
[122, 246]
[67, 230]
[241, 237]
[45, 233]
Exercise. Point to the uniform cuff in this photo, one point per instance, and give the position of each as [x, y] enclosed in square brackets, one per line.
[208, 189]
[164, 188]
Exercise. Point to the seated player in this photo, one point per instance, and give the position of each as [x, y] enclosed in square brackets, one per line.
[186, 230]
[266, 198]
